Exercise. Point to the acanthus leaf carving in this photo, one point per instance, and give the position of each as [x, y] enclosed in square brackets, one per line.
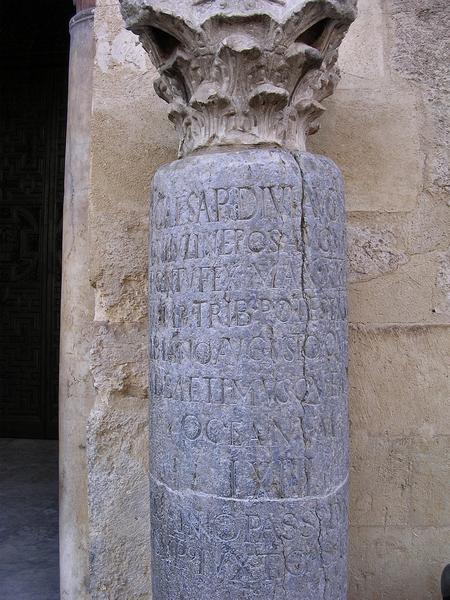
[244, 72]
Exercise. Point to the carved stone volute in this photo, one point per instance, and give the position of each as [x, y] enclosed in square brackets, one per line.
[242, 72]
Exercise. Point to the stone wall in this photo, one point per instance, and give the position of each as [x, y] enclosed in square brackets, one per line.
[130, 139]
[387, 128]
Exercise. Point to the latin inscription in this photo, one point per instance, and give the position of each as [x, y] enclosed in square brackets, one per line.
[251, 275]
[222, 205]
[253, 392]
[252, 545]
[232, 287]
[247, 383]
[262, 348]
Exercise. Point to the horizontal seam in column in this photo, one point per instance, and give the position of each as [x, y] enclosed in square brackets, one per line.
[188, 492]
[372, 326]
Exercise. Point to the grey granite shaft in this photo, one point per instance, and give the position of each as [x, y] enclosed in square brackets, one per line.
[248, 349]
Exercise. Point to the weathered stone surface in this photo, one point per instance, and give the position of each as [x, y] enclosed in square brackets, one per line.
[247, 305]
[396, 48]
[408, 562]
[421, 355]
[371, 127]
[124, 155]
[248, 434]
[76, 394]
[379, 177]
[243, 72]
[411, 289]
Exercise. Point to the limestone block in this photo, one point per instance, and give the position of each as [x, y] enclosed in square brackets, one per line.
[400, 481]
[372, 251]
[441, 293]
[362, 54]
[387, 563]
[380, 482]
[420, 45]
[399, 381]
[405, 295]
[373, 134]
[430, 483]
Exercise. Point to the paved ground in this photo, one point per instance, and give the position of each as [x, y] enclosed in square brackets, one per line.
[28, 520]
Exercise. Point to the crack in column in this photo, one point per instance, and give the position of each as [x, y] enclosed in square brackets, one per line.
[322, 561]
[306, 299]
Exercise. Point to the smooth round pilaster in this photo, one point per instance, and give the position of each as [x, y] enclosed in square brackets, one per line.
[77, 310]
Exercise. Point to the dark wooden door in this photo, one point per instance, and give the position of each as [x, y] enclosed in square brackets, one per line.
[33, 98]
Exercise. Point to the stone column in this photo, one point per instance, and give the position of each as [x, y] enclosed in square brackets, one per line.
[77, 313]
[248, 338]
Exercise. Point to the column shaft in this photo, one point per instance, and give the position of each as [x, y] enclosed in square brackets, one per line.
[76, 390]
[248, 354]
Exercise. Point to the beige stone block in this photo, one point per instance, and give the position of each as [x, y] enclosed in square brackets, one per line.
[362, 53]
[430, 482]
[373, 135]
[372, 251]
[118, 483]
[427, 229]
[400, 482]
[379, 482]
[441, 293]
[399, 381]
[118, 360]
[402, 296]
[396, 563]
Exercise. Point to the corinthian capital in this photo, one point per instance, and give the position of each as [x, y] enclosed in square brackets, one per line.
[242, 72]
